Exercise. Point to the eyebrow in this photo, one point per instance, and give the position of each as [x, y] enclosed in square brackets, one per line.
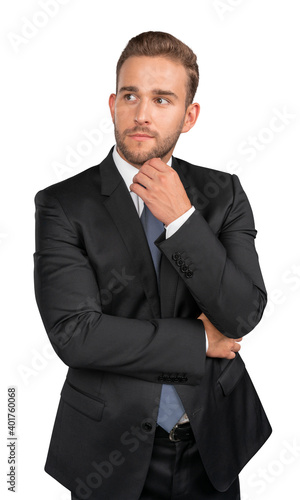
[129, 89]
[154, 91]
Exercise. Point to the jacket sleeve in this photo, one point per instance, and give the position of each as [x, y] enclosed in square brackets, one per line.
[82, 335]
[223, 274]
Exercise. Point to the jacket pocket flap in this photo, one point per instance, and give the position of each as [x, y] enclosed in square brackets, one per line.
[231, 374]
[89, 406]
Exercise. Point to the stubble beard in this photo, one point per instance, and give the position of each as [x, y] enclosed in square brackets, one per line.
[138, 158]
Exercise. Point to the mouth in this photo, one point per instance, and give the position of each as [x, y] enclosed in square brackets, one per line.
[141, 137]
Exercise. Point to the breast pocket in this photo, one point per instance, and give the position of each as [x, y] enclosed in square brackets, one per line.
[84, 403]
[231, 374]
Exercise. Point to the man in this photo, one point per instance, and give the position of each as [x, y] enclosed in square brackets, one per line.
[147, 278]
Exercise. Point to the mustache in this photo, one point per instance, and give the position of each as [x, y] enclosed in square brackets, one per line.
[140, 130]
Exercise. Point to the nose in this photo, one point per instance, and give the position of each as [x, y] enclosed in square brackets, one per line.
[142, 116]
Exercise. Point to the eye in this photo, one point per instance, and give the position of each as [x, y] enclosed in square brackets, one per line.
[129, 97]
[161, 100]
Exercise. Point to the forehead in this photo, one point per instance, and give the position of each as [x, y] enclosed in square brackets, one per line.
[149, 73]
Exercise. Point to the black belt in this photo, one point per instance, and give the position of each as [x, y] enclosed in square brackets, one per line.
[180, 432]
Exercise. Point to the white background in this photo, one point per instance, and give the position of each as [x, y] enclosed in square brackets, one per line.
[55, 84]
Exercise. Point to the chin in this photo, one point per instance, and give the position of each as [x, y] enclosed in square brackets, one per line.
[137, 157]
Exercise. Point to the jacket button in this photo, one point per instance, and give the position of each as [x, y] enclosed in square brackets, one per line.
[184, 268]
[179, 262]
[189, 274]
[147, 426]
[176, 256]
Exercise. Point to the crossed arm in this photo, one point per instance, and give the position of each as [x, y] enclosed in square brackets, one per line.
[84, 337]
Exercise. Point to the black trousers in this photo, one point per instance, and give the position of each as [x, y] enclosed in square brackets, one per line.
[176, 473]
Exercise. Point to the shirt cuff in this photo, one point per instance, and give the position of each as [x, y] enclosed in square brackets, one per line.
[206, 339]
[177, 223]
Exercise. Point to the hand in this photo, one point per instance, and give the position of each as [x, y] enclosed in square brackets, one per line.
[219, 346]
[161, 189]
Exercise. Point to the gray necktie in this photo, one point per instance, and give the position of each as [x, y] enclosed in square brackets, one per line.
[170, 406]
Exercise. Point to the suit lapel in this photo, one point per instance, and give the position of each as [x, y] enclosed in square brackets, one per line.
[122, 211]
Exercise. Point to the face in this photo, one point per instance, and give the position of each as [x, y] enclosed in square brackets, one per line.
[149, 110]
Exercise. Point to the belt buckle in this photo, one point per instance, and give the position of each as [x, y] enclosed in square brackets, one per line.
[172, 436]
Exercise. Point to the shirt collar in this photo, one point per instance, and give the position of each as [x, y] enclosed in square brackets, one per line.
[127, 170]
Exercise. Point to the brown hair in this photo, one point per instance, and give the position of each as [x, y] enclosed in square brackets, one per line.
[157, 43]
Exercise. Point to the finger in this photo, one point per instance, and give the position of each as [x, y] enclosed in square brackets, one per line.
[141, 191]
[231, 355]
[148, 170]
[142, 179]
[236, 347]
[158, 164]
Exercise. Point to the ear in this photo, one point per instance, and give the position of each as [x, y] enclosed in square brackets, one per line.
[191, 116]
[111, 103]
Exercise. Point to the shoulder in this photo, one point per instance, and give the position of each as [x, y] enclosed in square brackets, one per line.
[73, 184]
[210, 182]
[80, 187]
[192, 171]
[213, 192]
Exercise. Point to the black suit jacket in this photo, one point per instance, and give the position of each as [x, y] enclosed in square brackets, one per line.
[121, 338]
